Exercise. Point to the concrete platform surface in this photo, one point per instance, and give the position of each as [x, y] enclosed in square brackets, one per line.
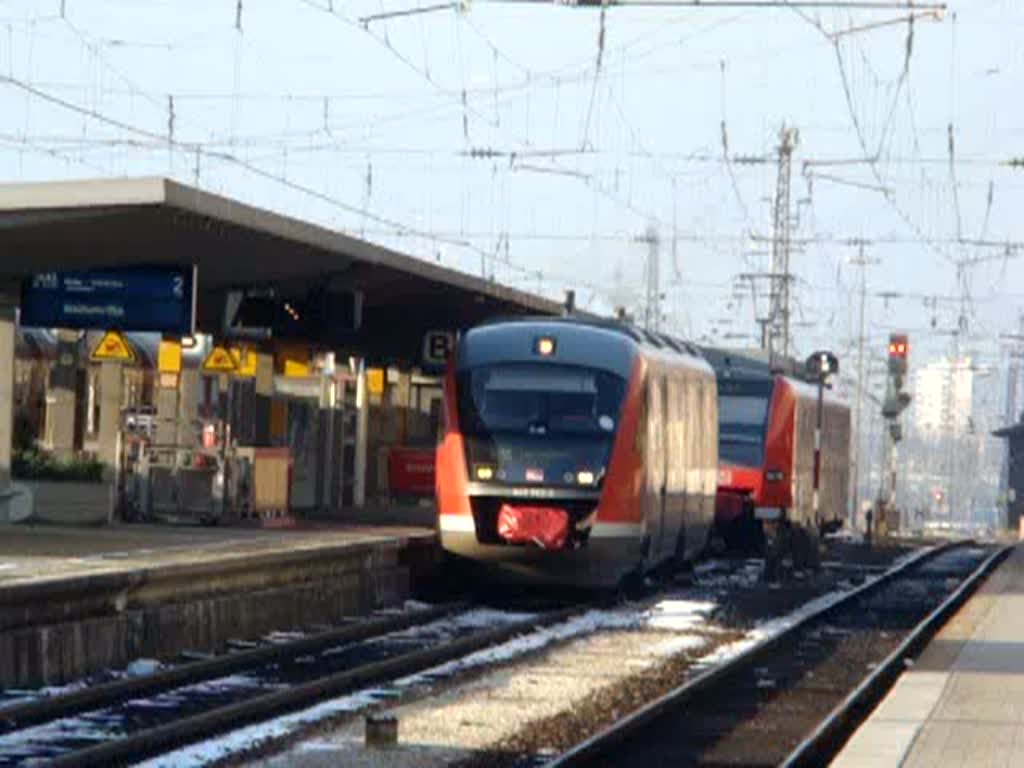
[962, 704]
[31, 554]
[74, 601]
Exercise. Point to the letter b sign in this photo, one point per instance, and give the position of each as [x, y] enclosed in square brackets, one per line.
[437, 347]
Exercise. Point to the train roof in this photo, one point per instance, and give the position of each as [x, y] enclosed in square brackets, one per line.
[808, 391]
[582, 341]
[639, 335]
[753, 363]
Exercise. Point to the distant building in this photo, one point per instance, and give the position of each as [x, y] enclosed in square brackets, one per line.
[944, 398]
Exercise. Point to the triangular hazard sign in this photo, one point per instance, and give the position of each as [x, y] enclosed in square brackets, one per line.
[219, 360]
[113, 346]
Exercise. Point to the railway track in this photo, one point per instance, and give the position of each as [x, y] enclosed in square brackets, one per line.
[133, 719]
[765, 706]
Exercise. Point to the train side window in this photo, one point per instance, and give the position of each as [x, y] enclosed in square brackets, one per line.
[694, 454]
[709, 456]
[640, 434]
[655, 456]
[673, 420]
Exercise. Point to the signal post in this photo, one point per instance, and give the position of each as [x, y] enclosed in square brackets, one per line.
[896, 401]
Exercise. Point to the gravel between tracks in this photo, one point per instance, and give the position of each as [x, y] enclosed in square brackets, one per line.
[553, 699]
[757, 715]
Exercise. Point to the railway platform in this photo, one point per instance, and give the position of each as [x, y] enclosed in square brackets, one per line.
[74, 601]
[962, 703]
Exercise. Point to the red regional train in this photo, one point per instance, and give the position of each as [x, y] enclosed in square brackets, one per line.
[576, 452]
[766, 458]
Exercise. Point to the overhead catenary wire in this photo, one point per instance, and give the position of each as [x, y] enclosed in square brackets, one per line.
[593, 162]
[232, 159]
[459, 97]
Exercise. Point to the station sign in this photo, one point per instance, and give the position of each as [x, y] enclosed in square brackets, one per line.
[145, 299]
[437, 348]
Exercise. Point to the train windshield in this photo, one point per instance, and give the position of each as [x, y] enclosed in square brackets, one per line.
[539, 423]
[742, 420]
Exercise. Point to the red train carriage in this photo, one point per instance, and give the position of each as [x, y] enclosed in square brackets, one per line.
[766, 458]
[575, 452]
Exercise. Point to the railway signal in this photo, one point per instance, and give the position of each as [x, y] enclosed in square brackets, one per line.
[820, 366]
[895, 402]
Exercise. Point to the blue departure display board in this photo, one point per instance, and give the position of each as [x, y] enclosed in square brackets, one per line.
[157, 299]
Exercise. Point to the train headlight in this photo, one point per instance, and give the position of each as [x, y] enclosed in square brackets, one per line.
[545, 346]
[585, 477]
[484, 472]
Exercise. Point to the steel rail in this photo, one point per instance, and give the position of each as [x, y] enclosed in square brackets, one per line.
[600, 743]
[175, 734]
[20, 716]
[824, 742]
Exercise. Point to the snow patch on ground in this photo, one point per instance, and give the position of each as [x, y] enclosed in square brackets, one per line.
[216, 749]
[770, 628]
[416, 605]
[677, 645]
[679, 615]
[720, 574]
[675, 614]
[104, 724]
[143, 668]
[279, 637]
[481, 618]
[587, 623]
[247, 738]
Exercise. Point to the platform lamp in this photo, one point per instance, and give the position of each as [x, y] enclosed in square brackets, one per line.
[819, 366]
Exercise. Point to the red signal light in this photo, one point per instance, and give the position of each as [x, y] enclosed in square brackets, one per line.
[898, 346]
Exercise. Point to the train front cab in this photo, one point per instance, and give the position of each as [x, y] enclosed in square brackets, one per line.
[755, 464]
[644, 474]
[766, 477]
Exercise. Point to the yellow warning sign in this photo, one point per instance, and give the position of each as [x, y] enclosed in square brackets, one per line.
[219, 360]
[375, 380]
[245, 362]
[169, 356]
[113, 346]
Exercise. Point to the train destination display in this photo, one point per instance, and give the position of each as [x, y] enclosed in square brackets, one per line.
[156, 299]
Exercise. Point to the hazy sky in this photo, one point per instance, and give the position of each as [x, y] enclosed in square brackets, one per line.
[531, 155]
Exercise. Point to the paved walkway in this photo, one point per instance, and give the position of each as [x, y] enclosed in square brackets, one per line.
[31, 554]
[962, 704]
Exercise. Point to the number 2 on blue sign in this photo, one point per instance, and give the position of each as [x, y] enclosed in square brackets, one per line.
[179, 286]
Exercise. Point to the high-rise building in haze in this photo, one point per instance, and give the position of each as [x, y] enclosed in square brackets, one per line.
[944, 398]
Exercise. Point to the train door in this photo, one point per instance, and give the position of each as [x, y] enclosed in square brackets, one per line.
[697, 519]
[654, 461]
[676, 501]
[708, 450]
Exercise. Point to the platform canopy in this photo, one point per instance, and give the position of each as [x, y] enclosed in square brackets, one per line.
[53, 226]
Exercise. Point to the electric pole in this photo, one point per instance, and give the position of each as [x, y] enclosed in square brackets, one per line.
[861, 261]
[652, 303]
[764, 322]
[778, 337]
